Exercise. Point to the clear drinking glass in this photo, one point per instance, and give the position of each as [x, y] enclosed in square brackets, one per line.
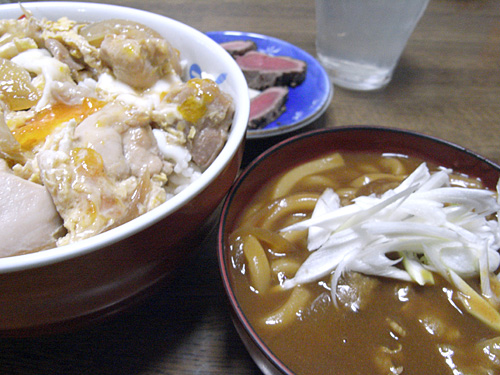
[359, 42]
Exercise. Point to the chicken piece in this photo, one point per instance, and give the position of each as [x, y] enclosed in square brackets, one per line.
[28, 216]
[139, 62]
[95, 32]
[104, 180]
[207, 113]
[123, 139]
[89, 201]
[207, 144]
[65, 32]
[140, 150]
[72, 94]
[61, 53]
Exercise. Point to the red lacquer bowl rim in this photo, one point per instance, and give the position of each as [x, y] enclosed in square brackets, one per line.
[239, 315]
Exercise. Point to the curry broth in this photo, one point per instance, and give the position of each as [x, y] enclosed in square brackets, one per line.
[422, 328]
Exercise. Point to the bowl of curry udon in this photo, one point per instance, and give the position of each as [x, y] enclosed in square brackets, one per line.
[365, 250]
[121, 131]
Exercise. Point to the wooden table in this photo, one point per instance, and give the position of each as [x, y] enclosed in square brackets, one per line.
[447, 84]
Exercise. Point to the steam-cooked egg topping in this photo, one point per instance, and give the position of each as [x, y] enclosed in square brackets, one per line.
[100, 117]
[36, 130]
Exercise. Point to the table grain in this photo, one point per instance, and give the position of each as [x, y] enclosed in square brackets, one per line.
[447, 84]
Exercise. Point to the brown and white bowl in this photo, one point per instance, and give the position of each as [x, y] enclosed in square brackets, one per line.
[63, 287]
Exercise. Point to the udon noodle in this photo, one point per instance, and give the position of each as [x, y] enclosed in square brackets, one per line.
[371, 325]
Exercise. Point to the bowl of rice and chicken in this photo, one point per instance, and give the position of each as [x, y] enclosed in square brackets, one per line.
[120, 133]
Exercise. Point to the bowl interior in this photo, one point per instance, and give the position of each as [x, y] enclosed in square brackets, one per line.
[313, 144]
[200, 54]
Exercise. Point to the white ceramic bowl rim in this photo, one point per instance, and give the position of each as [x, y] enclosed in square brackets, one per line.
[80, 11]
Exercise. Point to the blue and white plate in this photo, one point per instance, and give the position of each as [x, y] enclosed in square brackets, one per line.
[306, 102]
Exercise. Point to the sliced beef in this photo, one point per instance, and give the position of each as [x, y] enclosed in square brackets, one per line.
[239, 47]
[267, 106]
[262, 71]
